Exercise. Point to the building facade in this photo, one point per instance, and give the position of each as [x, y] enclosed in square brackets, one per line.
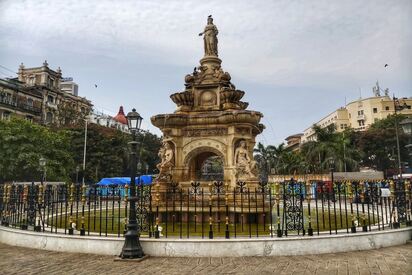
[68, 86]
[118, 122]
[17, 99]
[293, 142]
[36, 94]
[361, 114]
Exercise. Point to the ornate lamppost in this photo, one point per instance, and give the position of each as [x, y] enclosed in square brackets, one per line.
[42, 164]
[132, 248]
[331, 168]
[398, 107]
[407, 129]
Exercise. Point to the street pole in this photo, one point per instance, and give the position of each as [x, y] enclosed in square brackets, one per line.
[84, 150]
[132, 248]
[397, 139]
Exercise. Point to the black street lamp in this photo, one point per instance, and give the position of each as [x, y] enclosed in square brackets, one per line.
[42, 164]
[132, 248]
[331, 167]
[398, 107]
[406, 125]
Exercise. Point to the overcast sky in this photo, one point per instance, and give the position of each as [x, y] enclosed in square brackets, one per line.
[296, 60]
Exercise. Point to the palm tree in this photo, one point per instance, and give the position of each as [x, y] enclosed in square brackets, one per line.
[330, 144]
[264, 157]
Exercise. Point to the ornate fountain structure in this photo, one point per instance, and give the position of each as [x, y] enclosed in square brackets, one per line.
[210, 121]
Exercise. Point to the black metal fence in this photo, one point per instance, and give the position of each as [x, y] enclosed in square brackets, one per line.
[214, 211]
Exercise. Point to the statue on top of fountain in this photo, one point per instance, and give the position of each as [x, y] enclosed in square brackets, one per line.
[210, 37]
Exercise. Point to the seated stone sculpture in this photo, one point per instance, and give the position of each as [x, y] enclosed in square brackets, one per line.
[245, 167]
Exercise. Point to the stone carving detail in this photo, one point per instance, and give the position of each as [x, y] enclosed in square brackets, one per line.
[208, 98]
[243, 130]
[205, 132]
[210, 74]
[221, 76]
[231, 96]
[210, 37]
[183, 98]
[245, 166]
[166, 155]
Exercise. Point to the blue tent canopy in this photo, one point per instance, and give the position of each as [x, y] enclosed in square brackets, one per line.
[145, 179]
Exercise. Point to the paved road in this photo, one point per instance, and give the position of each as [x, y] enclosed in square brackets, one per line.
[393, 260]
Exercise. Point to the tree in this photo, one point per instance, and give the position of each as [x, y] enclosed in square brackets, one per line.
[378, 145]
[108, 153]
[69, 114]
[330, 144]
[265, 158]
[22, 144]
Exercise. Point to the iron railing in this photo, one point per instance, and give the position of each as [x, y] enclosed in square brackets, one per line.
[212, 211]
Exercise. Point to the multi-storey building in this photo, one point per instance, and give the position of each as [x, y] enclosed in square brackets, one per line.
[17, 99]
[36, 94]
[360, 114]
[68, 86]
[293, 142]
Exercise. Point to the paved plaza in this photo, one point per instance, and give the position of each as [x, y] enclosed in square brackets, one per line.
[393, 260]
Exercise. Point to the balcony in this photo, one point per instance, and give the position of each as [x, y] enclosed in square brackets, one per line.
[22, 106]
[361, 117]
[8, 101]
[29, 108]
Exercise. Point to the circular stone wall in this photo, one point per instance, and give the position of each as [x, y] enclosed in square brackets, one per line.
[210, 248]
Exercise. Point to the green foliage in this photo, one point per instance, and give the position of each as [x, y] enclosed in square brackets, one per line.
[375, 148]
[23, 143]
[388, 123]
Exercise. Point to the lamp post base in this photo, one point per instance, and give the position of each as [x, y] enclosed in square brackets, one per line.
[119, 259]
[132, 248]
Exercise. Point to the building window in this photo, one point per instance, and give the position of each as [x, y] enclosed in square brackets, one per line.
[83, 110]
[50, 99]
[361, 122]
[6, 115]
[49, 117]
[51, 82]
[30, 102]
[375, 110]
[29, 118]
[32, 80]
[387, 108]
[349, 116]
[360, 112]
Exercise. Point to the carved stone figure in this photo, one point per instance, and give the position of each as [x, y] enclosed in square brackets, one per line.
[167, 160]
[245, 167]
[210, 37]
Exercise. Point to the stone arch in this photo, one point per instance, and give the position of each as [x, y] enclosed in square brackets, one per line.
[197, 146]
[201, 150]
[196, 158]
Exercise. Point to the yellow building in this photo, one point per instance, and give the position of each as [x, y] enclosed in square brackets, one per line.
[339, 117]
[361, 114]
